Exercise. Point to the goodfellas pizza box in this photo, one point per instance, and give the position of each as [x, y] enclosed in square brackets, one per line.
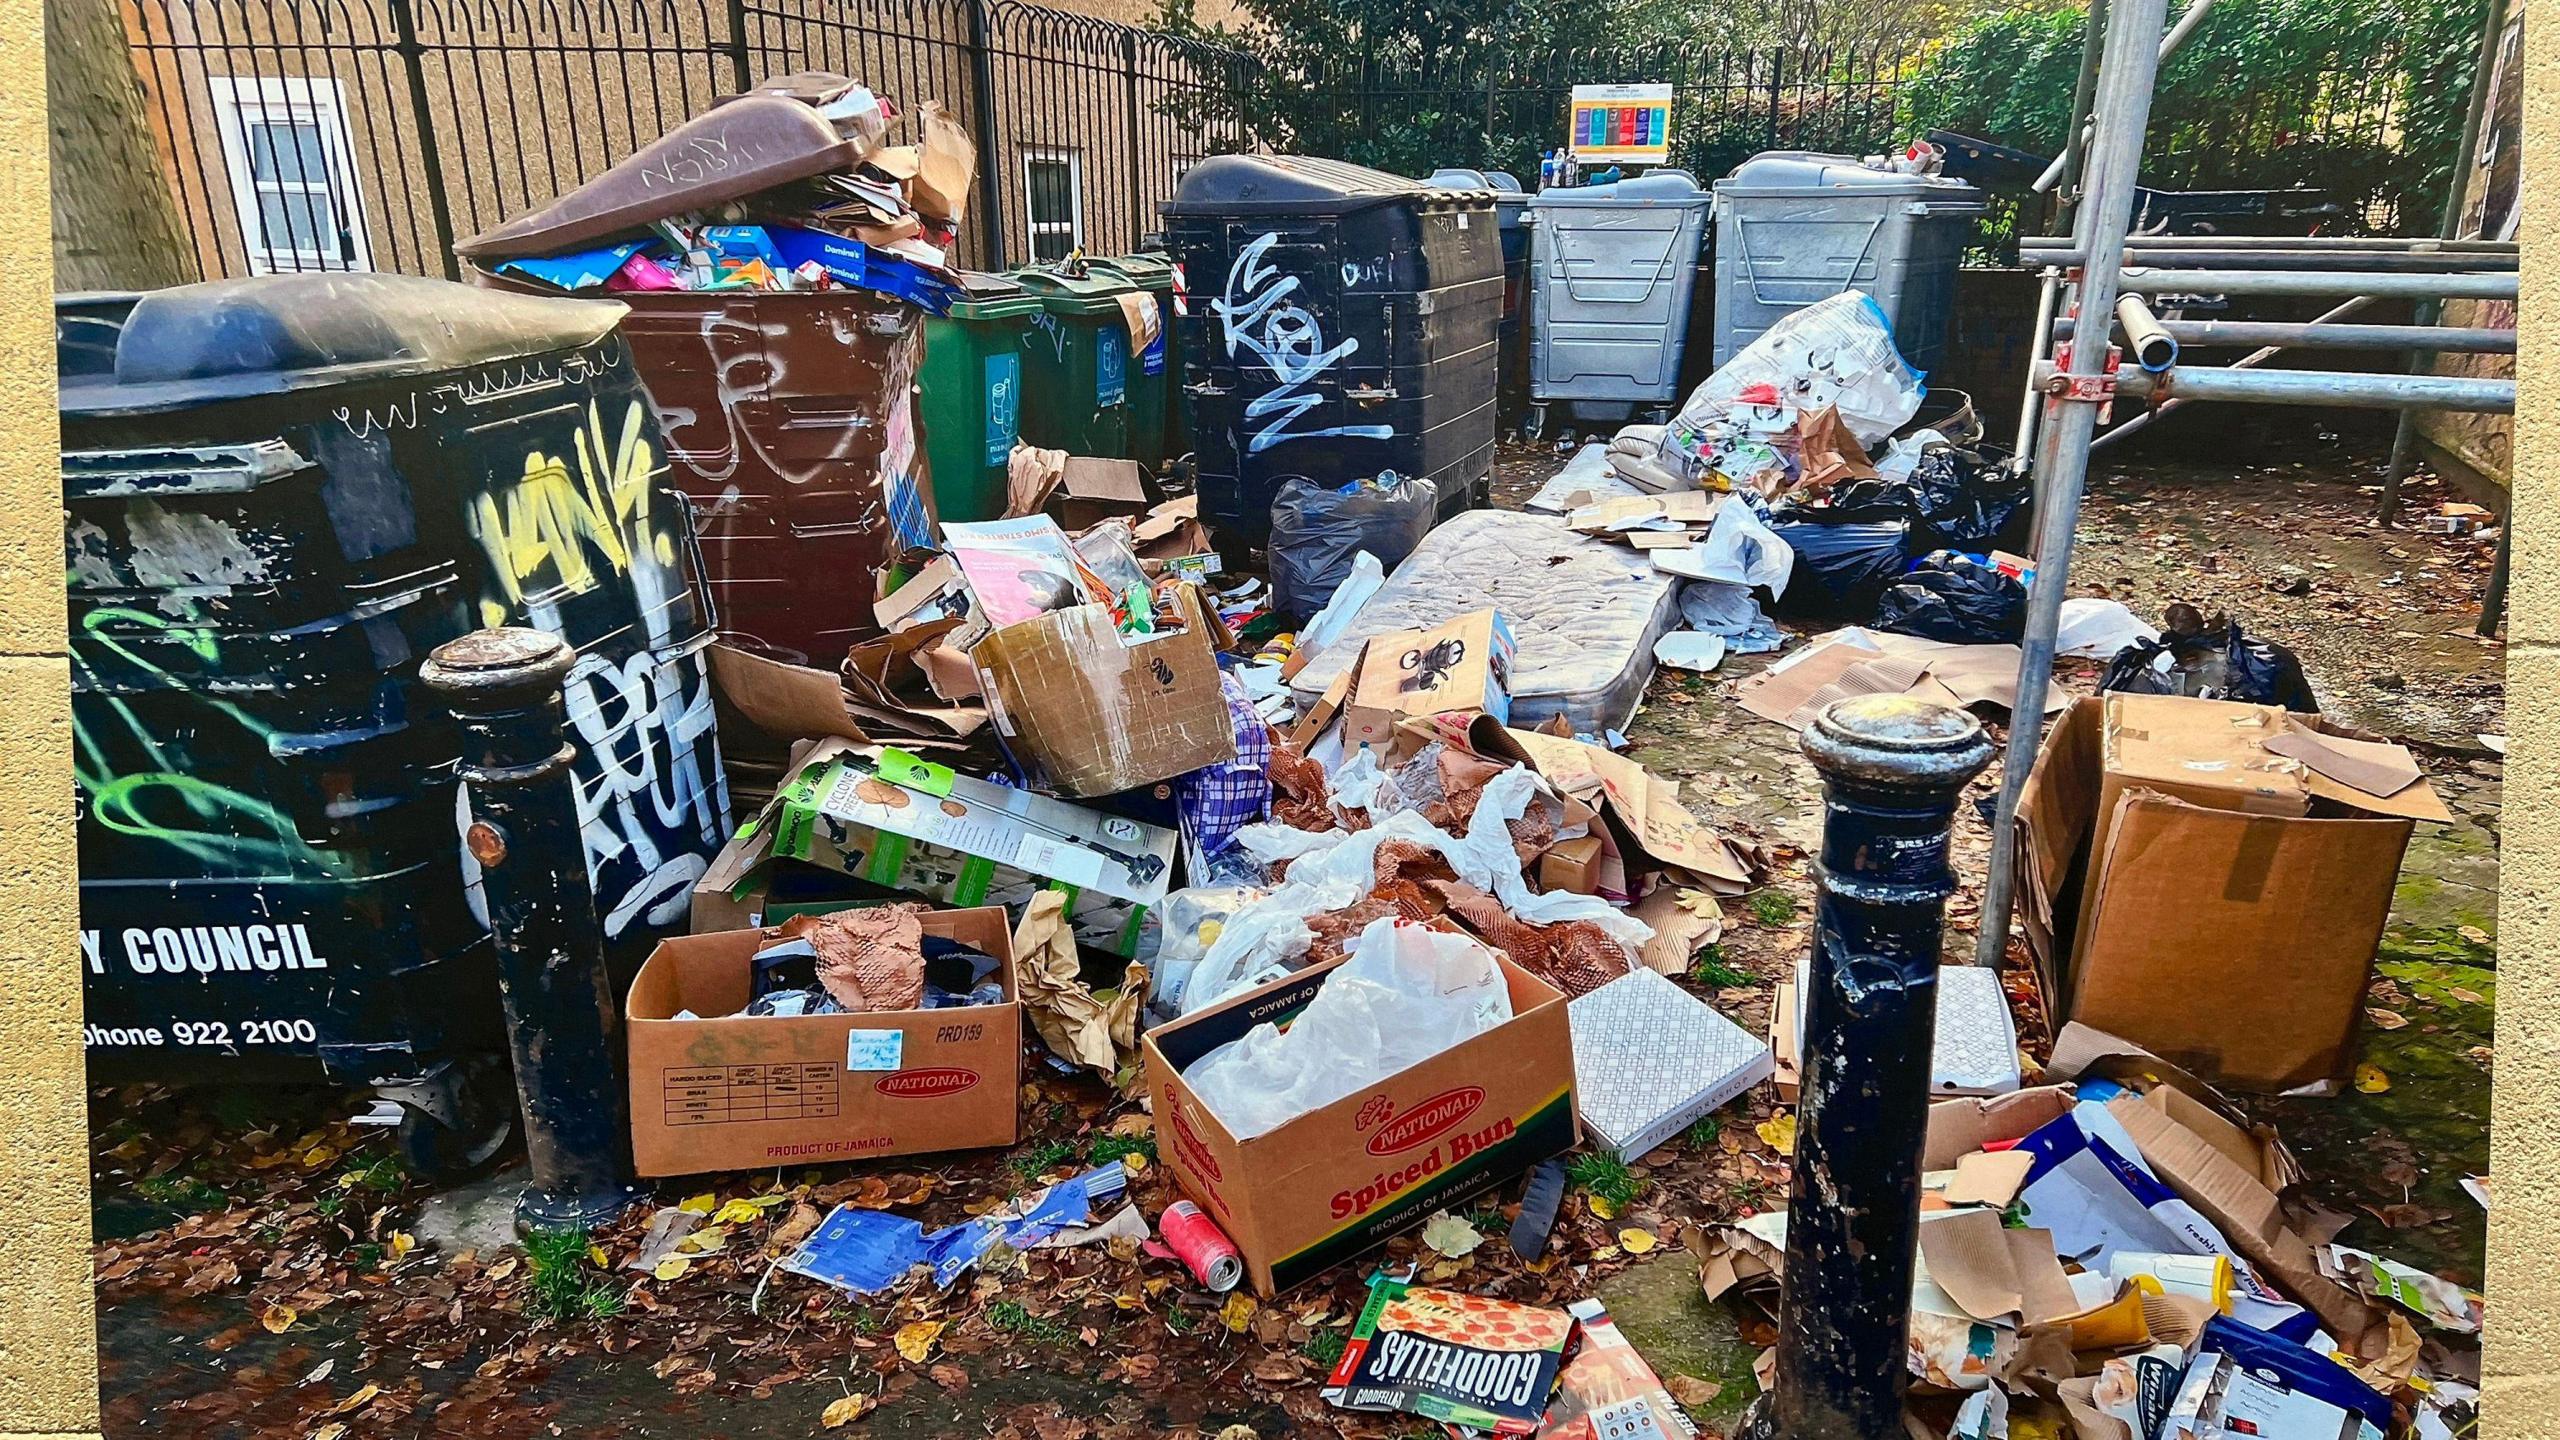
[744, 1092]
[1339, 1180]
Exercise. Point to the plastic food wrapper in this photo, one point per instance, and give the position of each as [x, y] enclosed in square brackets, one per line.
[867, 1251]
[1189, 922]
[1317, 530]
[1332, 870]
[1405, 995]
[1607, 1392]
[1463, 1360]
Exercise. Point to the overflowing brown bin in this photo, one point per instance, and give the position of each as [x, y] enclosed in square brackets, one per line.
[789, 416]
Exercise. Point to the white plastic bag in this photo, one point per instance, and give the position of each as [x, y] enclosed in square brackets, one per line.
[1406, 994]
[1837, 353]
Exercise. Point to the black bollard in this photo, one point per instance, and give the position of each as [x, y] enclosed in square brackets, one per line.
[503, 686]
[1892, 769]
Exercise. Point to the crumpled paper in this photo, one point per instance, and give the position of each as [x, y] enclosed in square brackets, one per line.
[1078, 1026]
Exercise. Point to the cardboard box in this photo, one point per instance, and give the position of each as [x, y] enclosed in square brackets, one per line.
[733, 1092]
[1091, 491]
[1463, 665]
[1099, 712]
[921, 829]
[1338, 1180]
[1571, 865]
[2209, 898]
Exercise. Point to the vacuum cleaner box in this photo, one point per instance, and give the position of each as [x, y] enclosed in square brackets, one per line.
[1340, 1179]
[726, 1091]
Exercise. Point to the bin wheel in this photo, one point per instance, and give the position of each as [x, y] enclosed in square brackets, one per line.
[486, 1104]
[1535, 423]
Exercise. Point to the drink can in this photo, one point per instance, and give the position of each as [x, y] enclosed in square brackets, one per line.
[1199, 1244]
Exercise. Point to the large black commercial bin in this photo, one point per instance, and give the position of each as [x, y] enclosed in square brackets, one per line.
[279, 494]
[1343, 321]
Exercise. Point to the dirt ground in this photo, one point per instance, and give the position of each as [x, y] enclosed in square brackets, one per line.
[261, 1271]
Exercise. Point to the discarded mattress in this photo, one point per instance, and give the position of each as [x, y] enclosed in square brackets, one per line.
[1586, 612]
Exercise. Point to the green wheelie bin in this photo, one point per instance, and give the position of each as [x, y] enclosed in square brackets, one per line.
[971, 383]
[1157, 432]
[1075, 363]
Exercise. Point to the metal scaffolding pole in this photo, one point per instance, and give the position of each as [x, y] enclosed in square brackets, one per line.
[2437, 286]
[2429, 262]
[2253, 359]
[2383, 244]
[2356, 390]
[2122, 113]
[2324, 335]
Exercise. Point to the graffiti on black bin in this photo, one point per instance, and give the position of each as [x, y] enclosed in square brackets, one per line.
[652, 802]
[1258, 313]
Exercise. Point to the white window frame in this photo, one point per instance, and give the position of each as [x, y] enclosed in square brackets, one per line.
[1074, 223]
[241, 101]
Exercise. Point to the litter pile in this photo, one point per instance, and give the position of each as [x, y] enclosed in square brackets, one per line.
[791, 186]
[2121, 1252]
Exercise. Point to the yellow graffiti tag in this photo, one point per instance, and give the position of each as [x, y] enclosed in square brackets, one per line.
[548, 535]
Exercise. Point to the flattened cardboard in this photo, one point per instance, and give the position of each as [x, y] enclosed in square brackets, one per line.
[733, 1092]
[1649, 825]
[2185, 893]
[1097, 715]
[1339, 1180]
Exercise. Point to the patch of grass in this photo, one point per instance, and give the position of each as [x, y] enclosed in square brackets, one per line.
[1712, 968]
[566, 1284]
[366, 1254]
[1108, 1148]
[1487, 1218]
[1324, 1347]
[1012, 1318]
[1705, 1131]
[1180, 1321]
[1047, 1155]
[329, 1204]
[384, 1173]
[1605, 1176]
[183, 1193]
[1754, 1193]
[1772, 906]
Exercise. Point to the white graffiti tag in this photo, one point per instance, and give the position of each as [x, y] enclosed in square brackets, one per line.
[1257, 313]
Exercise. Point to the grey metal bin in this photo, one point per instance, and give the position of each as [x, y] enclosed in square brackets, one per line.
[1612, 271]
[1794, 227]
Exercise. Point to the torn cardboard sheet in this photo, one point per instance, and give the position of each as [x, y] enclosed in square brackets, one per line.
[785, 701]
[1988, 1177]
[1684, 921]
[1993, 1272]
[1030, 476]
[887, 686]
[1855, 661]
[1648, 821]
[2377, 775]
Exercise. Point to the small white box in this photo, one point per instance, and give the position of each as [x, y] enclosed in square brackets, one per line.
[1649, 1057]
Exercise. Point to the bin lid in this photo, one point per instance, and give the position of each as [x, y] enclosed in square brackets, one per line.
[1666, 187]
[1146, 271]
[728, 152]
[1787, 172]
[991, 297]
[275, 334]
[1296, 185]
[1095, 292]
